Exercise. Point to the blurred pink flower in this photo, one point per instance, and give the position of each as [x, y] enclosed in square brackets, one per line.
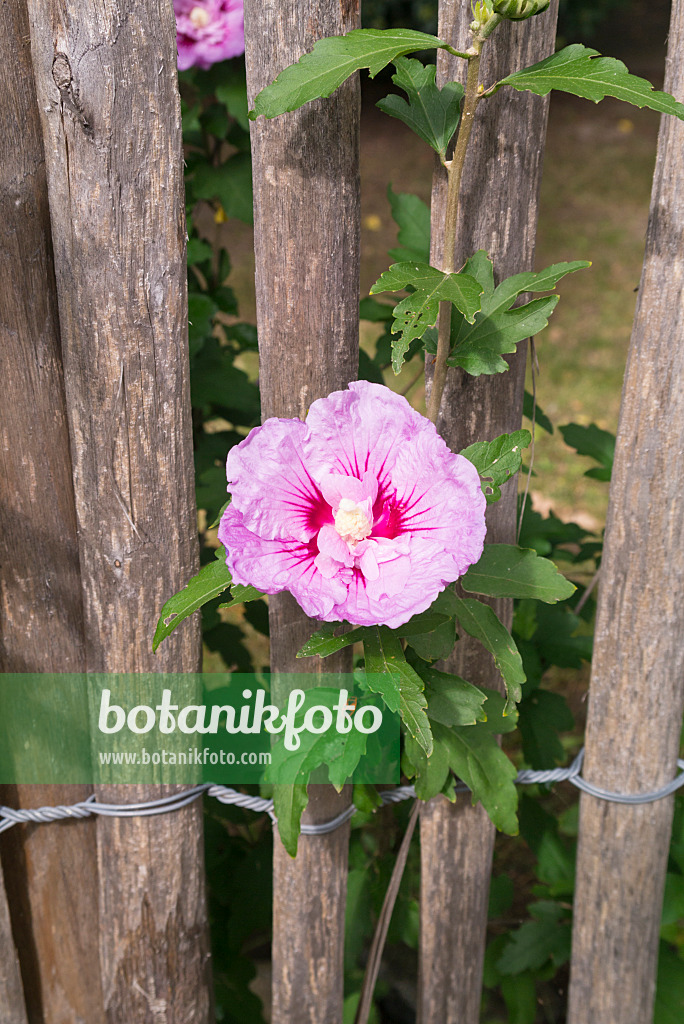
[362, 512]
[208, 31]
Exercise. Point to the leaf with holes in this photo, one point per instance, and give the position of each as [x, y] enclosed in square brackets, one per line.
[432, 113]
[209, 582]
[498, 460]
[333, 60]
[579, 70]
[419, 310]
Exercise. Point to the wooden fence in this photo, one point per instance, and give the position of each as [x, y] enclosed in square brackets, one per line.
[97, 513]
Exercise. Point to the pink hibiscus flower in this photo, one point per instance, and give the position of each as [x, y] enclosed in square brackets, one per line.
[362, 512]
[208, 31]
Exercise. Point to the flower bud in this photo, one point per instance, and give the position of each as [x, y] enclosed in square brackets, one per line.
[518, 10]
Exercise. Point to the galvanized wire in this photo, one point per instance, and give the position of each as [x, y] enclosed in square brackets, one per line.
[225, 795]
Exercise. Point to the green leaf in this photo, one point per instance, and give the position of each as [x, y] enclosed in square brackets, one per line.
[546, 937]
[201, 311]
[233, 93]
[412, 217]
[332, 61]
[498, 719]
[476, 757]
[288, 804]
[452, 700]
[231, 184]
[209, 582]
[214, 380]
[432, 113]
[210, 488]
[241, 595]
[376, 312]
[434, 644]
[498, 460]
[198, 252]
[219, 516]
[583, 72]
[669, 1001]
[520, 995]
[324, 642]
[478, 347]
[596, 443]
[430, 772]
[389, 674]
[418, 311]
[506, 570]
[540, 417]
[556, 637]
[479, 621]
[543, 715]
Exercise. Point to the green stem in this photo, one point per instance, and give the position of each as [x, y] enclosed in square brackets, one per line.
[454, 169]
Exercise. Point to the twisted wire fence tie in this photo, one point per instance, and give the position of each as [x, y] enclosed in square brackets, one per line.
[225, 795]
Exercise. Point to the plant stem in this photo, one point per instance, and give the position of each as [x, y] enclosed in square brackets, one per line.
[454, 169]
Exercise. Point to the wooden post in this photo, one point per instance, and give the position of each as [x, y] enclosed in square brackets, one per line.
[51, 870]
[637, 683]
[11, 992]
[306, 230]
[110, 111]
[498, 212]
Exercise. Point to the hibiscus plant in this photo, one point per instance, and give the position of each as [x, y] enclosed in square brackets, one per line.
[361, 511]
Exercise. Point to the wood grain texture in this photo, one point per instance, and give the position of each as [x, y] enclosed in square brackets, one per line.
[498, 212]
[306, 231]
[637, 683]
[110, 111]
[11, 990]
[54, 909]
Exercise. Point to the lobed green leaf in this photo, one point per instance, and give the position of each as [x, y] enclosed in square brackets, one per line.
[497, 329]
[498, 460]
[418, 311]
[596, 443]
[432, 113]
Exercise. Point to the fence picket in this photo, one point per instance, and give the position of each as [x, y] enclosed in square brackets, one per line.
[54, 909]
[306, 207]
[457, 840]
[637, 684]
[11, 991]
[108, 99]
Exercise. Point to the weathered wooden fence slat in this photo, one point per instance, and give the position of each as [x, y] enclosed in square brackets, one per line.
[306, 227]
[54, 909]
[11, 991]
[498, 212]
[637, 683]
[110, 111]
